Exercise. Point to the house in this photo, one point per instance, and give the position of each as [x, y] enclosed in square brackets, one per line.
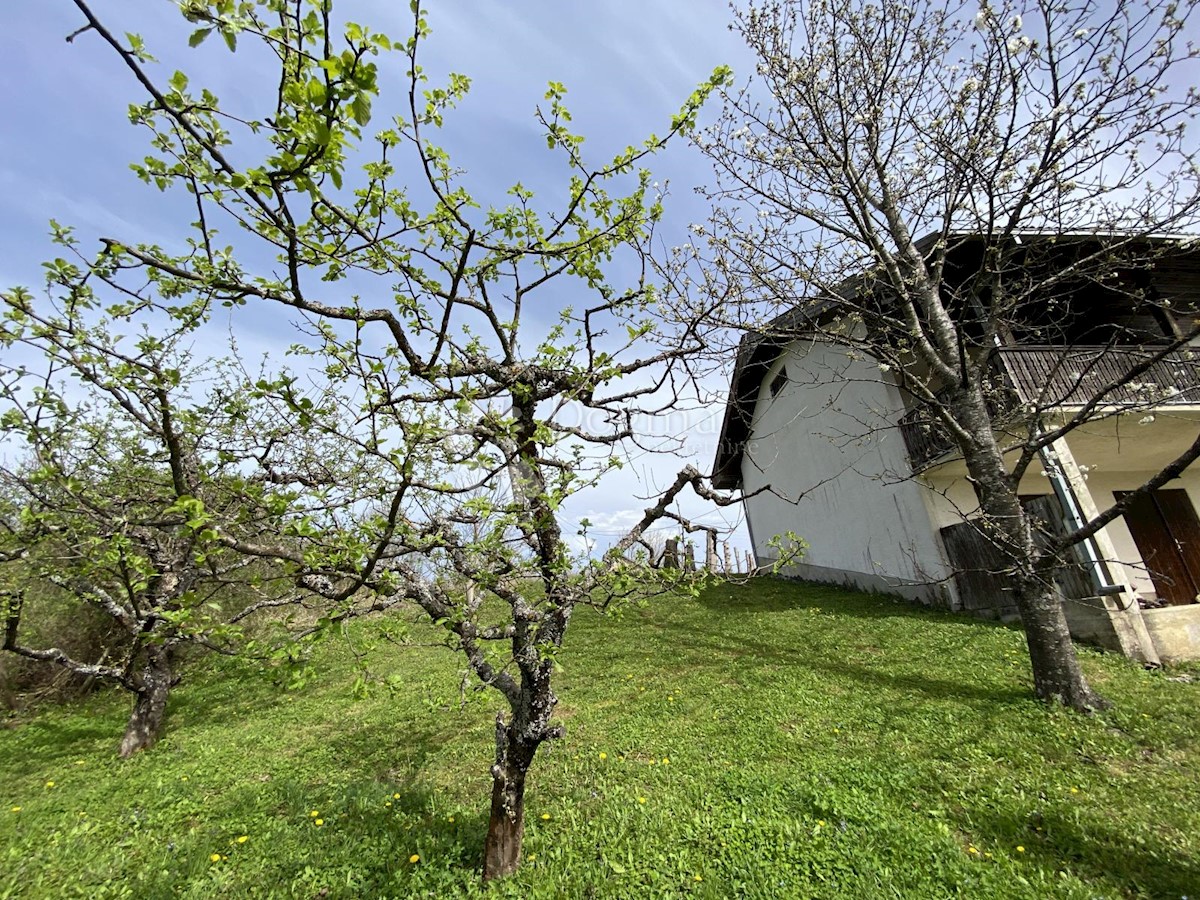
[827, 442]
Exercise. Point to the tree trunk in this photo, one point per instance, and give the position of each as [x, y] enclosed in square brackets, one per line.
[150, 708]
[506, 827]
[1057, 676]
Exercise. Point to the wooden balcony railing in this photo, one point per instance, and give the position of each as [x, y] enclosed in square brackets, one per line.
[1051, 377]
[1054, 376]
[925, 438]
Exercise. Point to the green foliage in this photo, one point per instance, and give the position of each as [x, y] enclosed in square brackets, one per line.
[449, 414]
[788, 741]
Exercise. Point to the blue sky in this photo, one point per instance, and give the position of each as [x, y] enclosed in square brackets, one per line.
[66, 144]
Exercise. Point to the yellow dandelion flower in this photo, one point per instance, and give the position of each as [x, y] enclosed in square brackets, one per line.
[216, 857]
[49, 784]
[603, 755]
[641, 799]
[16, 809]
[79, 762]
[389, 803]
[666, 760]
[314, 813]
[651, 762]
[395, 796]
[1074, 790]
[697, 877]
[670, 698]
[973, 850]
[531, 857]
[820, 823]
[415, 858]
[1020, 849]
[451, 819]
[318, 821]
[243, 838]
[545, 816]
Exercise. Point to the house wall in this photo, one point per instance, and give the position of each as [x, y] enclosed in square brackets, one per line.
[1174, 631]
[951, 499]
[840, 478]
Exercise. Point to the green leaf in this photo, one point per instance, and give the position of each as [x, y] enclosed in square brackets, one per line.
[230, 39]
[316, 92]
[361, 109]
[198, 36]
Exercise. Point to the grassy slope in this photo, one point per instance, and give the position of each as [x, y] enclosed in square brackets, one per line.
[820, 743]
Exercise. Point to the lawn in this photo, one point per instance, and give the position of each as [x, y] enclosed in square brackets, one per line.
[771, 740]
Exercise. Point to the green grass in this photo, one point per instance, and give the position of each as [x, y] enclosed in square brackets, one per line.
[820, 744]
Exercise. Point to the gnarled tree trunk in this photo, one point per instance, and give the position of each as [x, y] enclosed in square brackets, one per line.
[151, 688]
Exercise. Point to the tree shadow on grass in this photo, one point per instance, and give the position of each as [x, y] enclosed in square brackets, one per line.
[208, 699]
[1095, 850]
[52, 737]
[768, 594]
[709, 644]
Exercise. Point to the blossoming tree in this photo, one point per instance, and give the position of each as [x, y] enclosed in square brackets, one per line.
[887, 169]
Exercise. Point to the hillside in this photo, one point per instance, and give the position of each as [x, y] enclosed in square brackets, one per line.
[770, 740]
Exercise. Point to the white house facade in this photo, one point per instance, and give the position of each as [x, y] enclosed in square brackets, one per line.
[824, 444]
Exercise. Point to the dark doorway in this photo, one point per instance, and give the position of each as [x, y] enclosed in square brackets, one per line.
[1167, 533]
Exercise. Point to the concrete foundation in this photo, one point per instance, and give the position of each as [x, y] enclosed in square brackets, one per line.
[1175, 631]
